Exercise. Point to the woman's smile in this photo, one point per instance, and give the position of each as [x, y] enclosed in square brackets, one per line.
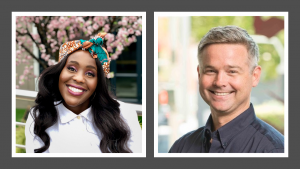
[75, 90]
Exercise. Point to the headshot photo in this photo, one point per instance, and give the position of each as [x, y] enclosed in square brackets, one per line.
[221, 84]
[78, 84]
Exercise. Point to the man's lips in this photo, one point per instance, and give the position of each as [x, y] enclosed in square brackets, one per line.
[220, 93]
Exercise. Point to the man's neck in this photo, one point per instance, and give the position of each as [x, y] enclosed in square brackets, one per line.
[222, 118]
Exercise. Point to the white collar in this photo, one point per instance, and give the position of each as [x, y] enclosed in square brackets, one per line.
[67, 115]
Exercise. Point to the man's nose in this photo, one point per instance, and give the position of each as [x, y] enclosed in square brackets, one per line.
[221, 79]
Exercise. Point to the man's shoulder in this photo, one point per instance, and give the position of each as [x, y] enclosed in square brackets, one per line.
[270, 136]
[186, 140]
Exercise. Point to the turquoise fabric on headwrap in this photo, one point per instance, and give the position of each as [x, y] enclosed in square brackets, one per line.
[93, 46]
[97, 49]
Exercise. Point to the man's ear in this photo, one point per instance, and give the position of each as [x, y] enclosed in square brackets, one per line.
[198, 70]
[256, 76]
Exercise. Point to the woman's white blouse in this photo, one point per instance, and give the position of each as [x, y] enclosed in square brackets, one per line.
[77, 134]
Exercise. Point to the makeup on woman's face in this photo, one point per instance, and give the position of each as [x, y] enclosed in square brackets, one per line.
[78, 81]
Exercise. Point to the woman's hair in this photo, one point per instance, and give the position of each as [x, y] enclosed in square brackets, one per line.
[105, 110]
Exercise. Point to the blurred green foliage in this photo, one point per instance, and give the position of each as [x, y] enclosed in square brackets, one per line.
[202, 24]
[20, 114]
[140, 120]
[274, 119]
[20, 138]
[20, 130]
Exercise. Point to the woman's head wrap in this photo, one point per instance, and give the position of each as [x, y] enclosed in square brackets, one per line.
[94, 46]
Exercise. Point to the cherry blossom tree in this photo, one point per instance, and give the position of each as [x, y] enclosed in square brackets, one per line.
[53, 31]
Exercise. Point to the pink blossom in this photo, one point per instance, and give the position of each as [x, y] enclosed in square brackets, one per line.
[95, 26]
[109, 49]
[21, 82]
[133, 38]
[72, 36]
[139, 21]
[135, 25]
[17, 86]
[118, 52]
[101, 23]
[130, 40]
[37, 20]
[130, 31]
[106, 27]
[61, 19]
[43, 55]
[120, 47]
[137, 33]
[114, 57]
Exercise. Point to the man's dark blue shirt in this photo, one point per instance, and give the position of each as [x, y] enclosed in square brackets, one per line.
[244, 134]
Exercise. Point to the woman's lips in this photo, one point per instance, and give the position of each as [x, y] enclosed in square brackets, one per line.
[76, 91]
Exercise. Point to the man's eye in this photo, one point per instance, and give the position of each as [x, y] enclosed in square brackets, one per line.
[232, 71]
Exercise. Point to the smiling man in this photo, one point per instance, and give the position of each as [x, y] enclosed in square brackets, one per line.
[227, 71]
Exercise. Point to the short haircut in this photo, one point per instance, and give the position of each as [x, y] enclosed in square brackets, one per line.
[230, 35]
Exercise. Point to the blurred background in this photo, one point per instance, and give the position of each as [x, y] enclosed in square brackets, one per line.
[38, 39]
[180, 106]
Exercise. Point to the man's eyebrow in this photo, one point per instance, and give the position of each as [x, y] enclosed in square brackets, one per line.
[208, 66]
[235, 67]
[229, 66]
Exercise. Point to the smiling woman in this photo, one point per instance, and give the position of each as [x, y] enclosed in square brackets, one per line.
[74, 112]
[78, 81]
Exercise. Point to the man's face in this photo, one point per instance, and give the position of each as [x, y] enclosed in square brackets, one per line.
[225, 78]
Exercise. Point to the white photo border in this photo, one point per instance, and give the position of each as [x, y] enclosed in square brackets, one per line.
[286, 136]
[14, 15]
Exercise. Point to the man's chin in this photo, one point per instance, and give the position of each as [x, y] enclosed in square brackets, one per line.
[221, 108]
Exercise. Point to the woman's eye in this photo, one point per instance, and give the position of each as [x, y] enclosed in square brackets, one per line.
[90, 74]
[71, 68]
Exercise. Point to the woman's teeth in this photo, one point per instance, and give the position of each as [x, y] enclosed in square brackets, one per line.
[73, 89]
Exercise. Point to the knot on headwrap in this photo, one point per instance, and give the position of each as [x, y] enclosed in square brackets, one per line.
[93, 46]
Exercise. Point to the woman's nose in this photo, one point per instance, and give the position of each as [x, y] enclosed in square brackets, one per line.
[78, 77]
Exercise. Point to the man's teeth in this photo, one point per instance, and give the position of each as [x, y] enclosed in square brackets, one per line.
[221, 94]
[73, 89]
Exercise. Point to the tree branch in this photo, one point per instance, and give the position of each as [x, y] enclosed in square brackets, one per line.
[32, 55]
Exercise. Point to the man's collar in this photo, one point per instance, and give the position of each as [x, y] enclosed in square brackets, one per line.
[233, 127]
[67, 115]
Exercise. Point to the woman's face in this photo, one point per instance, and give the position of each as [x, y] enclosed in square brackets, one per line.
[78, 81]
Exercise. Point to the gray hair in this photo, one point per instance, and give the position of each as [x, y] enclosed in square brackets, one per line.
[231, 35]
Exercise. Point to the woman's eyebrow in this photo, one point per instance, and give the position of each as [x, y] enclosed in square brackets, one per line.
[74, 62]
[90, 66]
